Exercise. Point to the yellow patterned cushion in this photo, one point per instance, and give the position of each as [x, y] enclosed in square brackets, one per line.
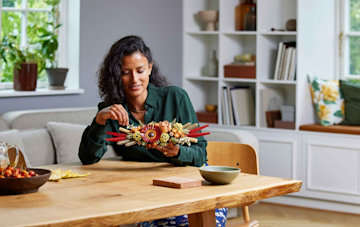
[328, 100]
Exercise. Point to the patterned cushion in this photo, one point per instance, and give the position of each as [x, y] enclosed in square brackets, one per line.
[328, 100]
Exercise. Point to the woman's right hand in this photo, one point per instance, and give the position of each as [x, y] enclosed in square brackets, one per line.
[114, 112]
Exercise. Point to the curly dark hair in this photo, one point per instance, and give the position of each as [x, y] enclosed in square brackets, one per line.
[110, 85]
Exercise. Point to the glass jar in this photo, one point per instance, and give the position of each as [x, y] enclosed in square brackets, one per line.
[240, 12]
[250, 19]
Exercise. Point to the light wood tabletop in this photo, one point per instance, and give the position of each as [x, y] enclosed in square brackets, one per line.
[119, 192]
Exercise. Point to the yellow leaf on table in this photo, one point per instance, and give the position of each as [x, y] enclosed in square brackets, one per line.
[57, 174]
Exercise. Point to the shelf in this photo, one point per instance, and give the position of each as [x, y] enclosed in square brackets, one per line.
[40, 92]
[243, 127]
[239, 32]
[202, 32]
[278, 81]
[203, 78]
[278, 33]
[239, 80]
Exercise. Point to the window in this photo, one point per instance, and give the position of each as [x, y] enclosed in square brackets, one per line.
[22, 20]
[349, 38]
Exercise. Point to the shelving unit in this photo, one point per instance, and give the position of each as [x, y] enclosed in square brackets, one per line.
[288, 153]
[199, 45]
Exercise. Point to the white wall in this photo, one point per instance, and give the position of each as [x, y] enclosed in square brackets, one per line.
[158, 22]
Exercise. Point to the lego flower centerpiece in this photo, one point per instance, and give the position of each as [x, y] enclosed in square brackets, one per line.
[155, 134]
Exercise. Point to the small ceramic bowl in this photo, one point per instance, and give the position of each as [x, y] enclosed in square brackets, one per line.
[210, 108]
[219, 174]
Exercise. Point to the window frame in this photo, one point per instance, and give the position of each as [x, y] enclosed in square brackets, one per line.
[344, 35]
[62, 51]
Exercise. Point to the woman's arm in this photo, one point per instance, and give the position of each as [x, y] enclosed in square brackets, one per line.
[196, 153]
[93, 144]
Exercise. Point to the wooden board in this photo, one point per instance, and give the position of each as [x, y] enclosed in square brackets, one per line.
[177, 182]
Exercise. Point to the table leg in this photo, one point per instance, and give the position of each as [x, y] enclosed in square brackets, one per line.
[202, 219]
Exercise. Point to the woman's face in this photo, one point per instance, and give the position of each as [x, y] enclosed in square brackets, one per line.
[135, 72]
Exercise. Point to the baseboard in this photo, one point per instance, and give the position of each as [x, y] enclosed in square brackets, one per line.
[315, 204]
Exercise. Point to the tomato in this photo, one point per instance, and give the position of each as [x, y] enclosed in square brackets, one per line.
[31, 173]
[9, 168]
[8, 173]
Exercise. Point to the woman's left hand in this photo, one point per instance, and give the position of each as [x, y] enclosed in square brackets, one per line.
[170, 150]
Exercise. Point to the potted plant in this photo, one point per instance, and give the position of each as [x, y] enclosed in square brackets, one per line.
[49, 44]
[24, 62]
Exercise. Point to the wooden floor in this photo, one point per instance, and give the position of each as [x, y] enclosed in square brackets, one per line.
[271, 215]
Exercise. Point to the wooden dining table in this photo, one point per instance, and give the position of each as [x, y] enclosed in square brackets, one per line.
[120, 192]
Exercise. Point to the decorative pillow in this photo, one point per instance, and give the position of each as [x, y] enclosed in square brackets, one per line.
[66, 138]
[328, 100]
[351, 91]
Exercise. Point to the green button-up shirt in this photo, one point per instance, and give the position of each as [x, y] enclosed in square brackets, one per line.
[162, 103]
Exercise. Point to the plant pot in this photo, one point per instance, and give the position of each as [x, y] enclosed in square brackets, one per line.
[25, 77]
[56, 77]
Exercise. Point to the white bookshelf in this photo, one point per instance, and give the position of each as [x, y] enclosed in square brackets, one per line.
[199, 44]
[282, 153]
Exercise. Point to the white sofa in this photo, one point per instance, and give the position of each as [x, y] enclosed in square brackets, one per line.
[52, 136]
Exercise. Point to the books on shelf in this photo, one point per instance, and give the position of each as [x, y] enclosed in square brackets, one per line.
[238, 105]
[225, 107]
[285, 65]
[243, 105]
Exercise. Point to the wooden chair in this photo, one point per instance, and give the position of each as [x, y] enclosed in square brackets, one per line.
[238, 155]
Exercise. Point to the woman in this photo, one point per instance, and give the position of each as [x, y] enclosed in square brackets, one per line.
[133, 91]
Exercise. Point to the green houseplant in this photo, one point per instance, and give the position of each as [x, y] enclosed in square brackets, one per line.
[48, 38]
[24, 62]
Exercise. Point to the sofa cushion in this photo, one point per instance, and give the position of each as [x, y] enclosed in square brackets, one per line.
[39, 146]
[3, 125]
[28, 119]
[12, 137]
[351, 91]
[327, 99]
[66, 138]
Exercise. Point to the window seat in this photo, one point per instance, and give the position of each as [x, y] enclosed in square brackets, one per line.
[345, 129]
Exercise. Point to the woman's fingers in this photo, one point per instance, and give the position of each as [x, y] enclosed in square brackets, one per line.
[114, 112]
[169, 151]
[122, 114]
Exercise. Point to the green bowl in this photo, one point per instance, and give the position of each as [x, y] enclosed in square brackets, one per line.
[219, 174]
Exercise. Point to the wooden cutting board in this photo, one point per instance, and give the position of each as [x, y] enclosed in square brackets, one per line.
[177, 182]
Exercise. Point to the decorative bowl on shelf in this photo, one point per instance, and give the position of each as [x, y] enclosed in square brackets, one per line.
[210, 108]
[11, 185]
[210, 17]
[219, 174]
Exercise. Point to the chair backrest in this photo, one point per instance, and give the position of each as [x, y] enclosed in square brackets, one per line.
[238, 155]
